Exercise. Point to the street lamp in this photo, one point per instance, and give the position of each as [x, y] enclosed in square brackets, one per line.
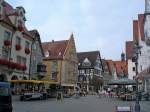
[137, 51]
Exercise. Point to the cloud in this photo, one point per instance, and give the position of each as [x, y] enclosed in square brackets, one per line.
[97, 24]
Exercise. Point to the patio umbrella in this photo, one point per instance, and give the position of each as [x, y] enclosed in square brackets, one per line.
[122, 81]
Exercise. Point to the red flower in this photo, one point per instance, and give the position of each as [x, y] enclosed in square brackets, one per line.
[27, 50]
[18, 66]
[24, 67]
[12, 65]
[18, 47]
[7, 42]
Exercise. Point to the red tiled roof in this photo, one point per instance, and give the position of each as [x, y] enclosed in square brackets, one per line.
[110, 66]
[136, 31]
[141, 26]
[121, 67]
[91, 55]
[129, 49]
[56, 49]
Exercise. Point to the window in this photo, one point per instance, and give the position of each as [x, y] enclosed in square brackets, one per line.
[5, 54]
[54, 70]
[27, 44]
[34, 46]
[54, 76]
[18, 40]
[133, 69]
[7, 35]
[141, 67]
[19, 59]
[23, 60]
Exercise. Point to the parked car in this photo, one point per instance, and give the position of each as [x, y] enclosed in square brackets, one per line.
[31, 96]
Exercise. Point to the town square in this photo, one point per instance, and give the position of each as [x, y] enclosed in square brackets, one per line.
[74, 56]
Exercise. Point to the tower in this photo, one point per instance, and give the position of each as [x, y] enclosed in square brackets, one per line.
[122, 56]
[147, 22]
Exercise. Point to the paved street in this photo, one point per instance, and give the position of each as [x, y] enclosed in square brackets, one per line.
[84, 104]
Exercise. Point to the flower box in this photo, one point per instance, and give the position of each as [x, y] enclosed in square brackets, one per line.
[18, 47]
[7, 42]
[24, 67]
[27, 50]
[18, 66]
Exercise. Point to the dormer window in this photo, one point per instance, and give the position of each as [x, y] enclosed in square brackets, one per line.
[47, 54]
[86, 62]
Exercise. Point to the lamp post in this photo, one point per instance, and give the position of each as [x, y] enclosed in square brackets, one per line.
[135, 59]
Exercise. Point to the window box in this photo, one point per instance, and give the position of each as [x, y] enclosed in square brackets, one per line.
[7, 42]
[24, 67]
[4, 62]
[18, 66]
[12, 65]
[18, 47]
[27, 50]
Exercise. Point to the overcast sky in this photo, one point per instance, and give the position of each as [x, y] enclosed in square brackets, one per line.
[102, 25]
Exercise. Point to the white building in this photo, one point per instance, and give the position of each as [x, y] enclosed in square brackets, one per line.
[15, 43]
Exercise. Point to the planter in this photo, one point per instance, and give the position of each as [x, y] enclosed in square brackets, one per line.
[12, 65]
[18, 66]
[18, 47]
[27, 50]
[7, 42]
[24, 67]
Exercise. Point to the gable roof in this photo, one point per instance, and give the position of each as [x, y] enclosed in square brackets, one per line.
[110, 65]
[121, 68]
[136, 36]
[35, 34]
[56, 49]
[129, 49]
[91, 55]
[138, 28]
[9, 11]
[141, 26]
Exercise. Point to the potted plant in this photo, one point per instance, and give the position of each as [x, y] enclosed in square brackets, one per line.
[18, 47]
[7, 42]
[27, 50]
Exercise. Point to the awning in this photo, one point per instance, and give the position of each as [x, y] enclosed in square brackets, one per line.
[122, 81]
[33, 81]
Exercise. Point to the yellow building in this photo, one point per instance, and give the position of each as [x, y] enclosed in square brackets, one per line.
[61, 61]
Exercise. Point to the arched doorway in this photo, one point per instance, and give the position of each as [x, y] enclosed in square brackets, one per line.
[14, 77]
[3, 78]
[24, 78]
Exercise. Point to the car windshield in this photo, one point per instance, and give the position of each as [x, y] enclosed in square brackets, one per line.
[4, 91]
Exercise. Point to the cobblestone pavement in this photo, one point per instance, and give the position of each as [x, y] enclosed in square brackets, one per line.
[83, 104]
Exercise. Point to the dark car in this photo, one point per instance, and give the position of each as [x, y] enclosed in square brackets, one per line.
[5, 97]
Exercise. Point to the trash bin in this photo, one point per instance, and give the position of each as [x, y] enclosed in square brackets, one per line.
[123, 109]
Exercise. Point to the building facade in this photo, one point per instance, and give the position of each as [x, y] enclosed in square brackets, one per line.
[37, 68]
[15, 43]
[90, 71]
[61, 61]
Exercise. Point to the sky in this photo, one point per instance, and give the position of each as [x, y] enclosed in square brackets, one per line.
[102, 25]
